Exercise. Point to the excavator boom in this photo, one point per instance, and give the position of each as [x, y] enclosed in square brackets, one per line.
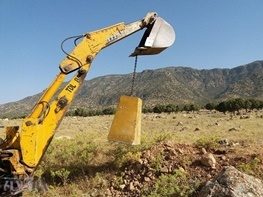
[24, 147]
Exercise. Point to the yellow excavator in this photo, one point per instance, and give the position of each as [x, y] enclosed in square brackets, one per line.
[24, 147]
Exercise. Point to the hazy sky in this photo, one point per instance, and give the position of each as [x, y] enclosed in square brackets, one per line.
[209, 34]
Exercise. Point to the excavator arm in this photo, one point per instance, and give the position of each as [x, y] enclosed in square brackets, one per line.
[24, 149]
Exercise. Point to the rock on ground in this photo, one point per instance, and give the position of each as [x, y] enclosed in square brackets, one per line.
[232, 183]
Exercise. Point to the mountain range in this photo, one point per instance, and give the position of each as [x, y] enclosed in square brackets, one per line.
[170, 85]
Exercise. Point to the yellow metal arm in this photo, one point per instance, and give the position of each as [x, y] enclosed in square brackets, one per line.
[39, 127]
[95, 41]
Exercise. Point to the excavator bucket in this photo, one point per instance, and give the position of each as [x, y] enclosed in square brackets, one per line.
[157, 37]
[126, 125]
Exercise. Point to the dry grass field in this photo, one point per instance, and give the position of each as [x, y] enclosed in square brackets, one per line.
[81, 162]
[185, 128]
[182, 127]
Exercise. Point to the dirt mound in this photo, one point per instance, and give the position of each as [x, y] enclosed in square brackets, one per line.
[140, 177]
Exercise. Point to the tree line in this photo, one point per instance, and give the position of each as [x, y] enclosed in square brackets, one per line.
[235, 105]
[231, 105]
[86, 112]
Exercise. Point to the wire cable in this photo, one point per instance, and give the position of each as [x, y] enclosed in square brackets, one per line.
[75, 42]
[79, 37]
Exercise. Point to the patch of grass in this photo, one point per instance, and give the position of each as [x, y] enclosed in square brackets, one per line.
[156, 162]
[252, 168]
[67, 158]
[176, 184]
[208, 142]
[162, 137]
[185, 162]
[62, 174]
[123, 153]
[66, 152]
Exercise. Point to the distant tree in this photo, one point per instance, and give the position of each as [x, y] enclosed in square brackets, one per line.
[191, 107]
[177, 108]
[147, 110]
[237, 104]
[98, 112]
[159, 108]
[230, 106]
[85, 113]
[186, 107]
[210, 106]
[79, 112]
[260, 105]
[247, 105]
[108, 111]
[222, 107]
[194, 107]
[70, 113]
[255, 104]
[170, 108]
[91, 113]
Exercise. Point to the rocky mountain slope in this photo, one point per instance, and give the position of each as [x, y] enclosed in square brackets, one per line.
[178, 85]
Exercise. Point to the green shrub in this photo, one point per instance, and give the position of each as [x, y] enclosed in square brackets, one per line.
[122, 153]
[156, 162]
[62, 174]
[208, 142]
[176, 184]
[66, 158]
[185, 162]
[162, 137]
[252, 168]
[78, 151]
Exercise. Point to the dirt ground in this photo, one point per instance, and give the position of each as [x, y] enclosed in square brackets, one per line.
[242, 142]
[183, 157]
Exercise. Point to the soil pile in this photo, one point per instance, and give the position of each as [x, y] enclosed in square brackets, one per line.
[140, 177]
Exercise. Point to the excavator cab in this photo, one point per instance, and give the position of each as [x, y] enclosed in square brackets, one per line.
[157, 37]
[126, 125]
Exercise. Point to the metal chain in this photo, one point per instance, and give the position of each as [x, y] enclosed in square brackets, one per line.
[134, 73]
